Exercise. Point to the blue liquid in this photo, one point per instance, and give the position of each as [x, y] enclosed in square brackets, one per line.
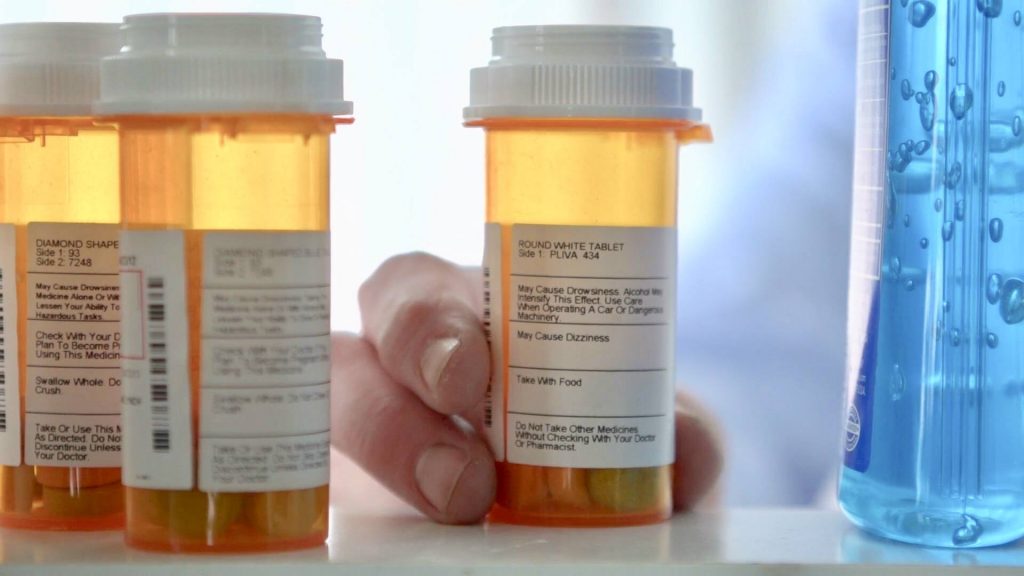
[935, 432]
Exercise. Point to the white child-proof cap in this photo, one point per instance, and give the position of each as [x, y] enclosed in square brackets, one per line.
[53, 69]
[582, 72]
[222, 63]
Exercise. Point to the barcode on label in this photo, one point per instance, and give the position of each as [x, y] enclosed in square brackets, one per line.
[489, 397]
[3, 358]
[494, 419]
[156, 336]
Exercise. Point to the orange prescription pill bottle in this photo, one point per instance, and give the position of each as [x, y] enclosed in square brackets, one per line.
[582, 129]
[60, 383]
[224, 122]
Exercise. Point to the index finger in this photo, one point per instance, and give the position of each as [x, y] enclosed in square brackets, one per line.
[422, 315]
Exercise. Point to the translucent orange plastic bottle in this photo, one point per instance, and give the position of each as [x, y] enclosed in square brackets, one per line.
[59, 341]
[224, 125]
[583, 125]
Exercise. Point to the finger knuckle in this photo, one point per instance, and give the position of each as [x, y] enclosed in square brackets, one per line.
[412, 320]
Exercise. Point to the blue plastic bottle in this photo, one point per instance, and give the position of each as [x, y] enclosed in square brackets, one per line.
[934, 446]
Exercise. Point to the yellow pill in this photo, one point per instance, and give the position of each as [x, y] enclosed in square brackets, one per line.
[568, 486]
[287, 514]
[625, 490]
[17, 489]
[188, 513]
[56, 477]
[99, 501]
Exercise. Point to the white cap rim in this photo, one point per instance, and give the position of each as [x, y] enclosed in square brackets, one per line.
[573, 71]
[222, 63]
[473, 113]
[187, 107]
[52, 68]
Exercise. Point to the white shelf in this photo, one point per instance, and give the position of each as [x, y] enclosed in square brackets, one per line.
[374, 533]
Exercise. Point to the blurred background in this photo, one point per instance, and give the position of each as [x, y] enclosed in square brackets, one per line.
[764, 211]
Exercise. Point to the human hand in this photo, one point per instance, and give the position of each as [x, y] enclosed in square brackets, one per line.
[407, 395]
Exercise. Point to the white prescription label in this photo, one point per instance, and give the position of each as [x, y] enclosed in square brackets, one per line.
[156, 401]
[73, 346]
[494, 402]
[10, 401]
[590, 314]
[265, 361]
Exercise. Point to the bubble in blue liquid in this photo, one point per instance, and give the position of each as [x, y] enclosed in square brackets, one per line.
[952, 60]
[947, 230]
[895, 267]
[1011, 303]
[971, 529]
[945, 305]
[929, 80]
[995, 229]
[893, 160]
[953, 176]
[909, 285]
[897, 383]
[1016, 126]
[960, 100]
[924, 242]
[954, 337]
[1001, 88]
[1016, 18]
[938, 204]
[993, 288]
[922, 146]
[990, 8]
[905, 90]
[899, 160]
[959, 209]
[890, 205]
[906, 220]
[921, 11]
[992, 340]
[927, 111]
